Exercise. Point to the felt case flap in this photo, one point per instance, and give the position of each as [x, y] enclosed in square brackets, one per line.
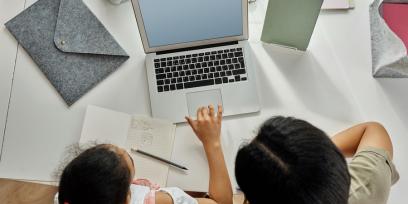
[79, 31]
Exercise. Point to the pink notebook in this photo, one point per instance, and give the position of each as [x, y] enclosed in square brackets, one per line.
[396, 16]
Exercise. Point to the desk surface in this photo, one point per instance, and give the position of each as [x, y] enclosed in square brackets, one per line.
[330, 85]
[8, 53]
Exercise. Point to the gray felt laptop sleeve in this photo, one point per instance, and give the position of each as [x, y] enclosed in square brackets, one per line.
[69, 44]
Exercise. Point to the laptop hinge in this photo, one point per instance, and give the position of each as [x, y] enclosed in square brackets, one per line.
[196, 47]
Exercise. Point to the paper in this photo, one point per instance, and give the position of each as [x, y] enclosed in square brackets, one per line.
[105, 126]
[336, 4]
[396, 16]
[155, 137]
[150, 135]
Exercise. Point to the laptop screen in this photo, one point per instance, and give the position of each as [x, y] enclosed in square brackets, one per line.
[169, 22]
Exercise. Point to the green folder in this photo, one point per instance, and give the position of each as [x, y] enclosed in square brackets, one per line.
[291, 22]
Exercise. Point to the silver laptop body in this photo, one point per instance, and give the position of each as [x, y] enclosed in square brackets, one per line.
[197, 54]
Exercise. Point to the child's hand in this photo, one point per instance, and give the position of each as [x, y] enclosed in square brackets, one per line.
[207, 127]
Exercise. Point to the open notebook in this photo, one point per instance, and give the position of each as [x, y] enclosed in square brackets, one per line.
[151, 135]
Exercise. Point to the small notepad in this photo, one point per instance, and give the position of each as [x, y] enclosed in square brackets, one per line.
[154, 136]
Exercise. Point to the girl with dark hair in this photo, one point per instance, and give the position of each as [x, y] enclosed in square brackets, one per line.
[104, 174]
[293, 162]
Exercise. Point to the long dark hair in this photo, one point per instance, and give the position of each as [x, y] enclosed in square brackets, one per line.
[292, 162]
[98, 175]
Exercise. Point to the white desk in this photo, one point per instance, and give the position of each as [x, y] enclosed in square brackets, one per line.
[8, 51]
[383, 100]
[330, 85]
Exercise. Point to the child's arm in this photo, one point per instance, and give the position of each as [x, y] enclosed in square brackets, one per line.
[207, 127]
[370, 134]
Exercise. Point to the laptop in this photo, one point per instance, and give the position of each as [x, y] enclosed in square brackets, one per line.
[197, 54]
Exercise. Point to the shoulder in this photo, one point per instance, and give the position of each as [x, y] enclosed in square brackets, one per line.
[372, 174]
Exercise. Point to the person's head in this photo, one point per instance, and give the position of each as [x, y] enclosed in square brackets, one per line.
[291, 161]
[101, 174]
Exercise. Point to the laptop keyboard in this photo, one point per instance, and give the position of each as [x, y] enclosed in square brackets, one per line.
[200, 69]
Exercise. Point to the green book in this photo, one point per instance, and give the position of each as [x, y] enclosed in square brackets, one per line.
[291, 22]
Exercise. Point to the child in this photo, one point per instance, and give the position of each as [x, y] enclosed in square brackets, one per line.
[290, 161]
[103, 174]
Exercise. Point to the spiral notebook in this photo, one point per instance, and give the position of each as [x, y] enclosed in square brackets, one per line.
[151, 135]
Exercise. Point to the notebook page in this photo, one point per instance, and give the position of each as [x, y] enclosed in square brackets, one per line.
[153, 136]
[105, 126]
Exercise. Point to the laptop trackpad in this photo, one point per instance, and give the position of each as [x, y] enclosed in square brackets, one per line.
[202, 98]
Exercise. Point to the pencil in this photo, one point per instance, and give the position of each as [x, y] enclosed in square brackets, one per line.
[158, 158]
